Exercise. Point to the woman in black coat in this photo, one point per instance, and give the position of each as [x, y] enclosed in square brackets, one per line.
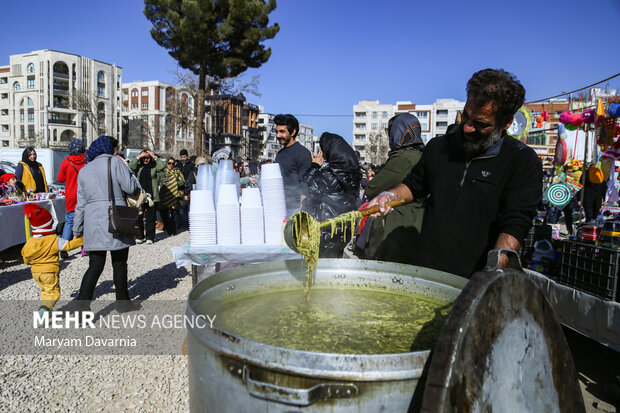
[332, 188]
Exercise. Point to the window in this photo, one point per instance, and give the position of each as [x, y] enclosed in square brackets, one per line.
[145, 92]
[360, 136]
[383, 125]
[361, 115]
[424, 125]
[5, 144]
[101, 76]
[384, 115]
[442, 112]
[30, 102]
[55, 135]
[422, 115]
[21, 115]
[361, 126]
[134, 93]
[4, 96]
[4, 80]
[4, 112]
[16, 86]
[30, 115]
[374, 115]
[442, 124]
[5, 128]
[125, 95]
[30, 84]
[134, 106]
[31, 130]
[145, 106]
[30, 68]
[101, 83]
[375, 126]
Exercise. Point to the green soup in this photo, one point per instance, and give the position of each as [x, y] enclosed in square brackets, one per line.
[344, 321]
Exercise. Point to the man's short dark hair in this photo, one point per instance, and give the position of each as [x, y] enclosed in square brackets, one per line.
[290, 121]
[500, 88]
[183, 152]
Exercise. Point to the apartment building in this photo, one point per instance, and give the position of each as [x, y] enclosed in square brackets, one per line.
[49, 97]
[158, 115]
[370, 120]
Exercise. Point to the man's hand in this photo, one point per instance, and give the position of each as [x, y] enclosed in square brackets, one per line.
[401, 191]
[509, 242]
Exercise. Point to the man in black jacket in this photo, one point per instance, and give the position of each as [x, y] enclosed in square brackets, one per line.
[483, 186]
[294, 160]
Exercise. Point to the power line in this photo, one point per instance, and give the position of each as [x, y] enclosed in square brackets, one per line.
[576, 90]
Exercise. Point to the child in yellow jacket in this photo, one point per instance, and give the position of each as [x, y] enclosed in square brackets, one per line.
[41, 251]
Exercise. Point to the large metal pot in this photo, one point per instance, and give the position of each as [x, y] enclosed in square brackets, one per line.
[228, 373]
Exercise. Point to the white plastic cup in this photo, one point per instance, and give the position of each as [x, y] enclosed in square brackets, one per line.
[270, 170]
[250, 198]
[201, 201]
[227, 195]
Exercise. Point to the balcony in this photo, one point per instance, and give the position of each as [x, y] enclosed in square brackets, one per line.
[61, 75]
[61, 105]
[61, 121]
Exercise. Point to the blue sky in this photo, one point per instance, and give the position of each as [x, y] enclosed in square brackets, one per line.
[329, 55]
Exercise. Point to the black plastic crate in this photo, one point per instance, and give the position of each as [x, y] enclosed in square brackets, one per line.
[590, 268]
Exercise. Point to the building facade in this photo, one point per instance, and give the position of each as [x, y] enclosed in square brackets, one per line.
[48, 98]
[157, 115]
[370, 120]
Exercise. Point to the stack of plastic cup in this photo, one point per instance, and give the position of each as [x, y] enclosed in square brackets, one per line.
[228, 230]
[225, 175]
[205, 178]
[252, 230]
[274, 203]
[202, 223]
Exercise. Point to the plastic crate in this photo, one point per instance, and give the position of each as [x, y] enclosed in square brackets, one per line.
[590, 268]
[537, 233]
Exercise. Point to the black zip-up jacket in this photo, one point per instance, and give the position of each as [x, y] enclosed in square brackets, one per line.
[471, 201]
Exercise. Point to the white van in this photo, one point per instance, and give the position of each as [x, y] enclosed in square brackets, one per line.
[50, 159]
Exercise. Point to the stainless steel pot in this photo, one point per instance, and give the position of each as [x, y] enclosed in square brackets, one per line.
[228, 373]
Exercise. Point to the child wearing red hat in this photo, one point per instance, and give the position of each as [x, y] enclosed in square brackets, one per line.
[41, 251]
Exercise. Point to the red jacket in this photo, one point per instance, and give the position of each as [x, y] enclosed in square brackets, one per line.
[68, 173]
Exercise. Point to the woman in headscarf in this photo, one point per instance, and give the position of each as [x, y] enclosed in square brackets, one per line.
[389, 238]
[30, 172]
[92, 219]
[332, 189]
[150, 173]
[171, 195]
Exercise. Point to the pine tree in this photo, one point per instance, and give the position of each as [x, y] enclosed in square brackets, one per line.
[218, 39]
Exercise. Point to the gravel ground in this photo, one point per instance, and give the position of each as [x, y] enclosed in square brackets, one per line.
[98, 383]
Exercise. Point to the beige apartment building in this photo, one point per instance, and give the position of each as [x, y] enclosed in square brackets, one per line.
[49, 97]
[158, 115]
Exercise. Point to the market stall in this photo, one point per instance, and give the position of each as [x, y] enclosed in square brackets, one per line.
[12, 220]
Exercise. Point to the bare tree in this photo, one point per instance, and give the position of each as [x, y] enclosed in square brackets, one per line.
[377, 148]
[216, 87]
[36, 140]
[86, 104]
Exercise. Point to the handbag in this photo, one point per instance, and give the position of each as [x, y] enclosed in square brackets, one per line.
[123, 220]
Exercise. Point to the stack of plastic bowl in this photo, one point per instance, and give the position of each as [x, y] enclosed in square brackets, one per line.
[225, 175]
[228, 230]
[252, 230]
[205, 178]
[274, 203]
[202, 221]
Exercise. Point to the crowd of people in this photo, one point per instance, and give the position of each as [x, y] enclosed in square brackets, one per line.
[467, 192]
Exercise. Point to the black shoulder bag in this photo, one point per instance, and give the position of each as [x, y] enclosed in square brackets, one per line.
[123, 219]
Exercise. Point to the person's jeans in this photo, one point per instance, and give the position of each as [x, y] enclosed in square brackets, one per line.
[149, 215]
[67, 231]
[95, 268]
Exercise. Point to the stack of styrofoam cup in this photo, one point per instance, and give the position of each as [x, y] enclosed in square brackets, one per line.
[205, 178]
[274, 203]
[252, 230]
[202, 221]
[225, 175]
[228, 230]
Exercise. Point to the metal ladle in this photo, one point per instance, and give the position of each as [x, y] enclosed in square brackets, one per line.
[296, 229]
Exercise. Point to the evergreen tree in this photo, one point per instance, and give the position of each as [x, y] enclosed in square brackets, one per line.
[212, 38]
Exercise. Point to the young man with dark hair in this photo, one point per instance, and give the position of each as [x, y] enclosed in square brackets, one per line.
[482, 186]
[187, 166]
[294, 160]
